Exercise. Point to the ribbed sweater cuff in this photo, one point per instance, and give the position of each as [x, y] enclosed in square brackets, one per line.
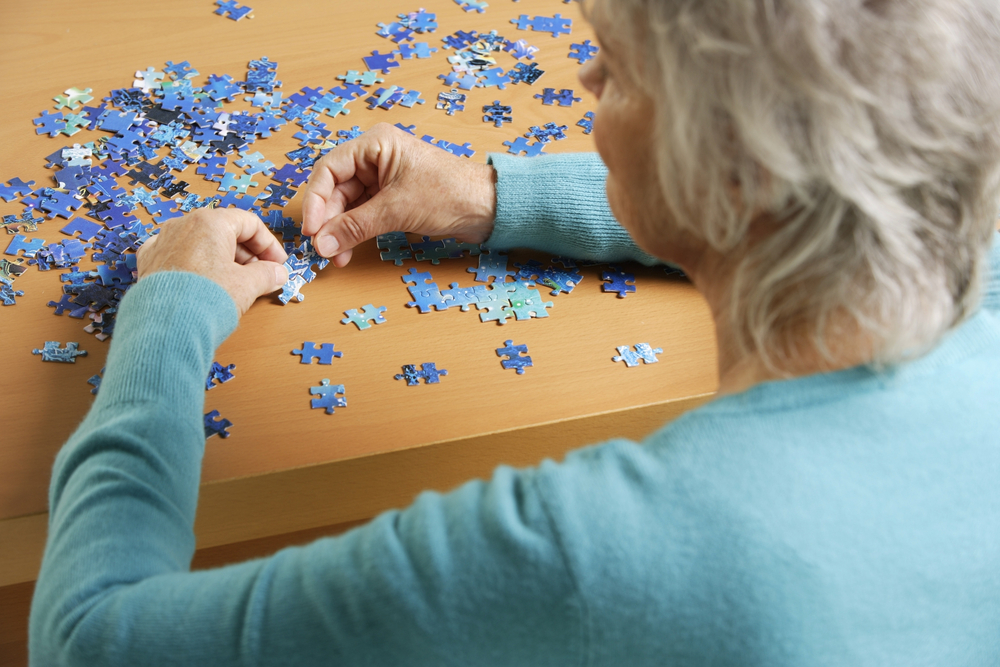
[557, 204]
[168, 327]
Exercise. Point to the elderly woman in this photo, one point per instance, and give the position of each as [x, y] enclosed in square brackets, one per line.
[827, 174]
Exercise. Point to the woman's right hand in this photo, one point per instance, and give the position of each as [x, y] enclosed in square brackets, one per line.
[387, 180]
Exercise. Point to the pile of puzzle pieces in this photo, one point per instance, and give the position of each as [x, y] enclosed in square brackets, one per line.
[135, 152]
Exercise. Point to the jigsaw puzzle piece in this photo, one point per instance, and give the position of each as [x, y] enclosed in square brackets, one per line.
[326, 396]
[364, 319]
[517, 356]
[324, 354]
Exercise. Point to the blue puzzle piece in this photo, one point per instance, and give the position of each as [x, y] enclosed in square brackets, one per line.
[21, 242]
[327, 397]
[496, 113]
[219, 374]
[7, 294]
[324, 354]
[522, 145]
[85, 228]
[65, 355]
[379, 61]
[364, 319]
[492, 264]
[494, 77]
[427, 297]
[564, 97]
[556, 25]
[516, 356]
[394, 246]
[428, 372]
[643, 352]
[216, 425]
[582, 52]
[618, 281]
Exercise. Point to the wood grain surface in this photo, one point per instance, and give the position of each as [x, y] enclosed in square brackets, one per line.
[391, 440]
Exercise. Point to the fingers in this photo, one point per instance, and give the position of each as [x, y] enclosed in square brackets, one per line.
[357, 225]
[256, 279]
[358, 160]
[253, 235]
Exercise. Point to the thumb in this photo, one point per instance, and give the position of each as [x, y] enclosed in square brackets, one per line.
[255, 279]
[344, 231]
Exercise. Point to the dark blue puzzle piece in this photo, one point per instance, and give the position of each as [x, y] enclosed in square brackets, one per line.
[517, 356]
[216, 425]
[428, 372]
[618, 281]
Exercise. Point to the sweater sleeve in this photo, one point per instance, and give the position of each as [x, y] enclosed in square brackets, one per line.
[557, 203]
[470, 577]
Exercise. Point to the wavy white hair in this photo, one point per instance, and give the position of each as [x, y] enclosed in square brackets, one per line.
[865, 131]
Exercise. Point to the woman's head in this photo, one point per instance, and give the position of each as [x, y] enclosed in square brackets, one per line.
[842, 155]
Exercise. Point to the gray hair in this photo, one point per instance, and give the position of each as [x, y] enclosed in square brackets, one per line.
[862, 138]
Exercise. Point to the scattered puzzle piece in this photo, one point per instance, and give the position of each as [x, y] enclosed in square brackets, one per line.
[324, 354]
[522, 145]
[8, 294]
[517, 356]
[564, 97]
[216, 425]
[617, 280]
[364, 319]
[496, 113]
[429, 372]
[220, 374]
[556, 25]
[643, 352]
[582, 52]
[66, 355]
[327, 397]
[232, 10]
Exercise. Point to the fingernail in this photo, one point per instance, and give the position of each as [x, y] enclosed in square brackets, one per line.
[280, 274]
[327, 245]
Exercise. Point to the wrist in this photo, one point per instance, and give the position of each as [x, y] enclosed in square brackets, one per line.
[476, 223]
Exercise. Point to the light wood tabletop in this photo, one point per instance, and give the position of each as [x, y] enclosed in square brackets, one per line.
[287, 467]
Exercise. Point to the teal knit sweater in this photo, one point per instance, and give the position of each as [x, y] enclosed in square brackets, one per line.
[849, 518]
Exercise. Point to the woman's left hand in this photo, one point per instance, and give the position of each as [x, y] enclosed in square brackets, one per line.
[230, 246]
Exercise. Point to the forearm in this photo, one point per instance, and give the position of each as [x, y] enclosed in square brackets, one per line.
[557, 204]
[125, 486]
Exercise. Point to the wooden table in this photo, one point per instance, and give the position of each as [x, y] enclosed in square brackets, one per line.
[289, 471]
